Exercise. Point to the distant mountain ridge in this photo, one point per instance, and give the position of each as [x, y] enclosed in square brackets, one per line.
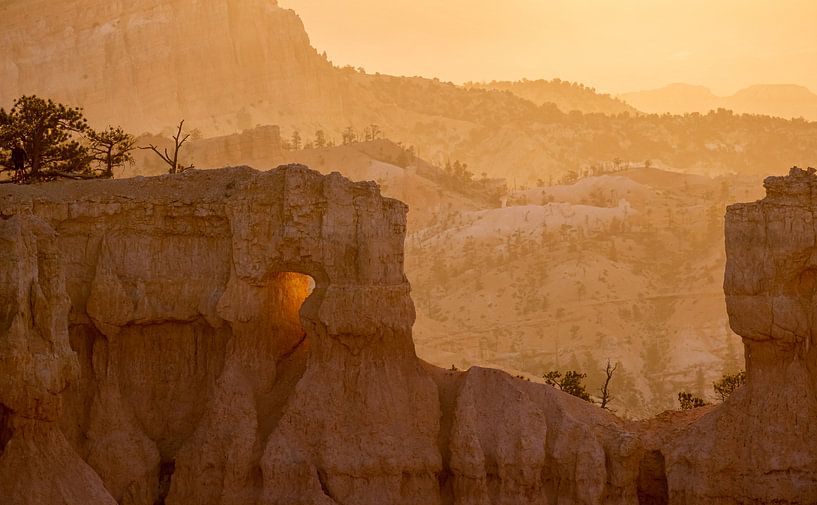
[781, 100]
[567, 96]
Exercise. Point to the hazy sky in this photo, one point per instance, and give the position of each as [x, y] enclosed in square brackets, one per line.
[613, 45]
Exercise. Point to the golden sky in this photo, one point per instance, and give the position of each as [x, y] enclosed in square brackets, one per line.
[613, 45]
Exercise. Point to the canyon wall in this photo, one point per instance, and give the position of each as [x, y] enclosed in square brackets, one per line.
[238, 337]
[225, 65]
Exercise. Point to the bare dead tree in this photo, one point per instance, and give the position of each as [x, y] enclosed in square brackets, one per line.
[605, 389]
[173, 161]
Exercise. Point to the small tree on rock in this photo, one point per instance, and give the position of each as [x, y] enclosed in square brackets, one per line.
[571, 382]
[111, 148]
[689, 401]
[605, 389]
[728, 384]
[173, 159]
[51, 135]
[723, 388]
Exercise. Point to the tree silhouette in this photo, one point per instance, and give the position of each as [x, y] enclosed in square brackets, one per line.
[320, 139]
[172, 160]
[296, 140]
[728, 384]
[371, 132]
[605, 389]
[689, 401]
[111, 148]
[723, 388]
[349, 135]
[572, 383]
[51, 135]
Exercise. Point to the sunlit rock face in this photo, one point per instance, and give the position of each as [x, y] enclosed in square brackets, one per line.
[238, 337]
[761, 445]
[223, 65]
[154, 328]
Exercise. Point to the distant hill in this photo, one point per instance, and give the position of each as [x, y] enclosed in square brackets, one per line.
[145, 65]
[567, 96]
[781, 100]
[626, 266]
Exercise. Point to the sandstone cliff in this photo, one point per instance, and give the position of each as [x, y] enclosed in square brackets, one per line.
[161, 342]
[223, 65]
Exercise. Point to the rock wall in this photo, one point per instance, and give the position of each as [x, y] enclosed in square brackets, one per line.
[760, 446]
[223, 65]
[161, 341]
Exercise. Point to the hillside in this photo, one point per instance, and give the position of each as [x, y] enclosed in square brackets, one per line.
[780, 100]
[567, 96]
[625, 266]
[114, 62]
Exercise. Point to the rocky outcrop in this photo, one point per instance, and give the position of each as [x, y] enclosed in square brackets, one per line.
[236, 337]
[760, 446]
[770, 286]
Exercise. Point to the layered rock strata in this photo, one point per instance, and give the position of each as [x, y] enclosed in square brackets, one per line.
[236, 337]
[224, 65]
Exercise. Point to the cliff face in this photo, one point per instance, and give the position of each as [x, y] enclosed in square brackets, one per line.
[770, 285]
[161, 342]
[760, 446]
[223, 65]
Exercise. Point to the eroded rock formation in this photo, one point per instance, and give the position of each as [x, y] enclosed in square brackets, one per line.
[142, 62]
[161, 342]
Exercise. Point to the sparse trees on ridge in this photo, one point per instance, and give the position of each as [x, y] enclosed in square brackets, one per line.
[320, 139]
[349, 135]
[724, 387]
[571, 382]
[728, 384]
[689, 401]
[296, 141]
[372, 132]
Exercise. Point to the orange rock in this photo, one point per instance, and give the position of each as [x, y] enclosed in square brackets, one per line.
[161, 342]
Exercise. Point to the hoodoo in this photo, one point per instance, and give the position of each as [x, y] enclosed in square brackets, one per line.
[239, 337]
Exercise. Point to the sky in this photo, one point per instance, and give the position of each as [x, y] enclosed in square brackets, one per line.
[613, 45]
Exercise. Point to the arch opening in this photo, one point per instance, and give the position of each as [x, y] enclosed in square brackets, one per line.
[285, 297]
[290, 309]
